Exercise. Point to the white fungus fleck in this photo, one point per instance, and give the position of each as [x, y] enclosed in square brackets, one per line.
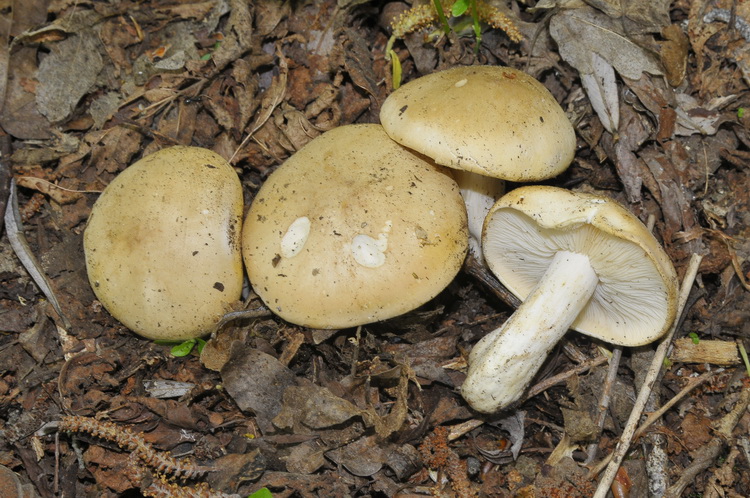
[370, 252]
[295, 237]
[461, 83]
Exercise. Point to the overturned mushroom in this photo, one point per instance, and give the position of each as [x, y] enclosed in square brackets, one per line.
[490, 122]
[578, 261]
[162, 243]
[353, 229]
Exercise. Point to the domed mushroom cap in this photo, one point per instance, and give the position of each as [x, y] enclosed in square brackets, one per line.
[635, 300]
[491, 120]
[353, 229]
[162, 243]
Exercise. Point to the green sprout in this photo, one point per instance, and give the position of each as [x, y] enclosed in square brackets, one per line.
[261, 493]
[459, 8]
[743, 353]
[183, 348]
[396, 71]
[209, 54]
[740, 112]
[441, 16]
[423, 15]
[694, 337]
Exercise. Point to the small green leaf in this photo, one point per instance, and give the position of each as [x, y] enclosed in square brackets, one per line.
[184, 348]
[694, 337]
[262, 493]
[740, 112]
[459, 8]
[743, 353]
[206, 56]
[395, 69]
[199, 344]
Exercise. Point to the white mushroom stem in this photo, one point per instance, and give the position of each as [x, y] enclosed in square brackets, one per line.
[503, 363]
[480, 193]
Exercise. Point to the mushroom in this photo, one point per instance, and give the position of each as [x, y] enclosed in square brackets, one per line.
[352, 229]
[492, 122]
[577, 261]
[162, 243]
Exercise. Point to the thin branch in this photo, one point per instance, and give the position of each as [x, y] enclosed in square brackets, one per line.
[605, 398]
[653, 372]
[562, 377]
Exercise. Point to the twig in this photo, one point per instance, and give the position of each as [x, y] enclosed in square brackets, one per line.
[689, 387]
[562, 377]
[643, 394]
[614, 364]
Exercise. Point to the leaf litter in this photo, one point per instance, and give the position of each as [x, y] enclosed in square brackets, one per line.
[659, 105]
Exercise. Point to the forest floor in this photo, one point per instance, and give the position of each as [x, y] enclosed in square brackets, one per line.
[90, 87]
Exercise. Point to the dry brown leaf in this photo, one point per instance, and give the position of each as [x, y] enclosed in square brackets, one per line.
[645, 15]
[67, 74]
[674, 52]
[257, 381]
[362, 457]
[308, 406]
[57, 193]
[594, 44]
[20, 117]
[582, 32]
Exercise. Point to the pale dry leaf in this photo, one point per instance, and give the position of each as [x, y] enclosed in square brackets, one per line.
[256, 381]
[67, 74]
[601, 88]
[363, 457]
[314, 407]
[581, 33]
[514, 425]
[644, 15]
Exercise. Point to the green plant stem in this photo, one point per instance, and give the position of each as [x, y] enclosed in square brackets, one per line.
[477, 27]
[441, 16]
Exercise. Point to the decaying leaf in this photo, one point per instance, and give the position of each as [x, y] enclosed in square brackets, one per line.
[594, 44]
[56, 192]
[257, 381]
[21, 117]
[514, 424]
[14, 230]
[67, 74]
[314, 407]
[643, 15]
[673, 53]
[238, 38]
[582, 32]
[362, 457]
[601, 88]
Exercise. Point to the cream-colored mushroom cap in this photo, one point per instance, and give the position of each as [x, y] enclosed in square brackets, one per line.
[636, 299]
[353, 229]
[491, 120]
[162, 243]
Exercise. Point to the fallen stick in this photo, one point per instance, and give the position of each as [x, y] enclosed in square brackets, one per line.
[656, 364]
